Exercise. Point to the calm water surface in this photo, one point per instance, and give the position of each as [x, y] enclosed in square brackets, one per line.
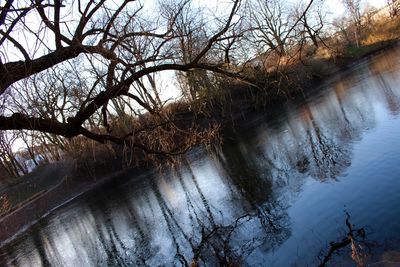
[276, 194]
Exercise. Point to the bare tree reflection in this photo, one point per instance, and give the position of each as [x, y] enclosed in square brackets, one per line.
[328, 159]
[385, 70]
[355, 240]
[243, 168]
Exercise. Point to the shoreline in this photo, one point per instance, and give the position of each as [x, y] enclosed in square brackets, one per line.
[17, 222]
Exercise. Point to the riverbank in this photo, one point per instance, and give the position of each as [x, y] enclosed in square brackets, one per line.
[51, 196]
[71, 184]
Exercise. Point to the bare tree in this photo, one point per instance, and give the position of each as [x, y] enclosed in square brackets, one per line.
[340, 26]
[311, 23]
[119, 47]
[8, 159]
[192, 35]
[272, 23]
[354, 9]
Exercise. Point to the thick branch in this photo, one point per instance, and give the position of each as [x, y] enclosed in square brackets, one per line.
[4, 11]
[15, 71]
[19, 121]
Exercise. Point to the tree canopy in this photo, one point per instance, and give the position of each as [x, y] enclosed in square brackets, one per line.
[64, 65]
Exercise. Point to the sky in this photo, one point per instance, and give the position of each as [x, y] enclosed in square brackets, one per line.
[337, 8]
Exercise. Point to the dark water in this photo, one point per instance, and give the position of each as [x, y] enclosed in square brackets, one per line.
[277, 194]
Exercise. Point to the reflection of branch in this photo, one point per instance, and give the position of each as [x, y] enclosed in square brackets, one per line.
[205, 238]
[351, 238]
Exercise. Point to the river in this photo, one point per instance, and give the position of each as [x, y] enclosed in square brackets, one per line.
[314, 182]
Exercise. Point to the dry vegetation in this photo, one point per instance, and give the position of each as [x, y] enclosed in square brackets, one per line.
[153, 140]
